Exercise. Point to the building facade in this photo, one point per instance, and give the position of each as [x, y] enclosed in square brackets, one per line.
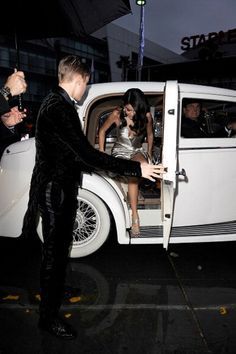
[111, 53]
[39, 60]
[123, 49]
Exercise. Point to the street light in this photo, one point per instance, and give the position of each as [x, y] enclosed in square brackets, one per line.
[141, 3]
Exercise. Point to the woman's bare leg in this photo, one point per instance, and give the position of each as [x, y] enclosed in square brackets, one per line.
[133, 198]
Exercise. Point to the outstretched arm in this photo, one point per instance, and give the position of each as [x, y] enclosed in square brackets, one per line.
[69, 133]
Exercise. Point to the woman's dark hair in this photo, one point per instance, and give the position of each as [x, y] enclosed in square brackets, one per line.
[136, 98]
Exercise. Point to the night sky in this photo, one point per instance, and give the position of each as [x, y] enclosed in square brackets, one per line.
[168, 21]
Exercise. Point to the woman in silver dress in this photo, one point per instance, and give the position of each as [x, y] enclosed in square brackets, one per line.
[134, 122]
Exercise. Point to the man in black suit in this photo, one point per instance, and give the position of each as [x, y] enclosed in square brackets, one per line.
[62, 153]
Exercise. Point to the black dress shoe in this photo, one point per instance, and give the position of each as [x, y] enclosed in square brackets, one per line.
[57, 327]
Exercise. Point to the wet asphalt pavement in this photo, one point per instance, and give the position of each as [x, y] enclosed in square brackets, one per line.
[126, 299]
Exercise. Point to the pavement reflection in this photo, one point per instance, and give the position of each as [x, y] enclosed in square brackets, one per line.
[129, 300]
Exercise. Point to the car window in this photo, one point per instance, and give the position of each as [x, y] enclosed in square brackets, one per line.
[208, 118]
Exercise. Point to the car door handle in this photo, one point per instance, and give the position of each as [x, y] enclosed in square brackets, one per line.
[181, 173]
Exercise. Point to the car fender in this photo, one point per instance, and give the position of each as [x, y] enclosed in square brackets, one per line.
[106, 189]
[17, 164]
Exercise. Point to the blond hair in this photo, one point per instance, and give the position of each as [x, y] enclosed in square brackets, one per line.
[70, 65]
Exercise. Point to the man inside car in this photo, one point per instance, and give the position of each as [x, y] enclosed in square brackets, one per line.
[191, 126]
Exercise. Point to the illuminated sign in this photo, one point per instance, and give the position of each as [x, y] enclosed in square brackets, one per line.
[201, 39]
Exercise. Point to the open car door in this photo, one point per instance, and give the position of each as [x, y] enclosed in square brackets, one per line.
[169, 159]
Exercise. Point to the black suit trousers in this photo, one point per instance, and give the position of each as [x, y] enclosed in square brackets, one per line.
[57, 206]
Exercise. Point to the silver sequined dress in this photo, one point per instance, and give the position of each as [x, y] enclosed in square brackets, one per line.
[127, 146]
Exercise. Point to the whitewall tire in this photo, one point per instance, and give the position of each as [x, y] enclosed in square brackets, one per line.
[92, 225]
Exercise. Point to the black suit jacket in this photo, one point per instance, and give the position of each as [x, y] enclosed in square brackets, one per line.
[63, 151]
[192, 129]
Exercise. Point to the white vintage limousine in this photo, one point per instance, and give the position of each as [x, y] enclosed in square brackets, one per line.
[195, 202]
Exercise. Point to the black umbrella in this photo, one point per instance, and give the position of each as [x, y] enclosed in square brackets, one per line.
[27, 19]
[56, 18]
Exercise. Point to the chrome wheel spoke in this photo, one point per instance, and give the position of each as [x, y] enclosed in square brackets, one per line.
[87, 223]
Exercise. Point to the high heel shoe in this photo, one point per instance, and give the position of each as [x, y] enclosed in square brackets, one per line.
[135, 228]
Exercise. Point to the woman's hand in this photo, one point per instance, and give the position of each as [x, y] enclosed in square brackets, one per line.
[152, 172]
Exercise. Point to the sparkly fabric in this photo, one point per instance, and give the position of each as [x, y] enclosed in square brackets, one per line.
[126, 146]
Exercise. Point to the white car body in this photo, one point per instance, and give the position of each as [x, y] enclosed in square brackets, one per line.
[198, 194]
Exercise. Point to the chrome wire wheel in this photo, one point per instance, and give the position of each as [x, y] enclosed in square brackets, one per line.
[87, 222]
[92, 224]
